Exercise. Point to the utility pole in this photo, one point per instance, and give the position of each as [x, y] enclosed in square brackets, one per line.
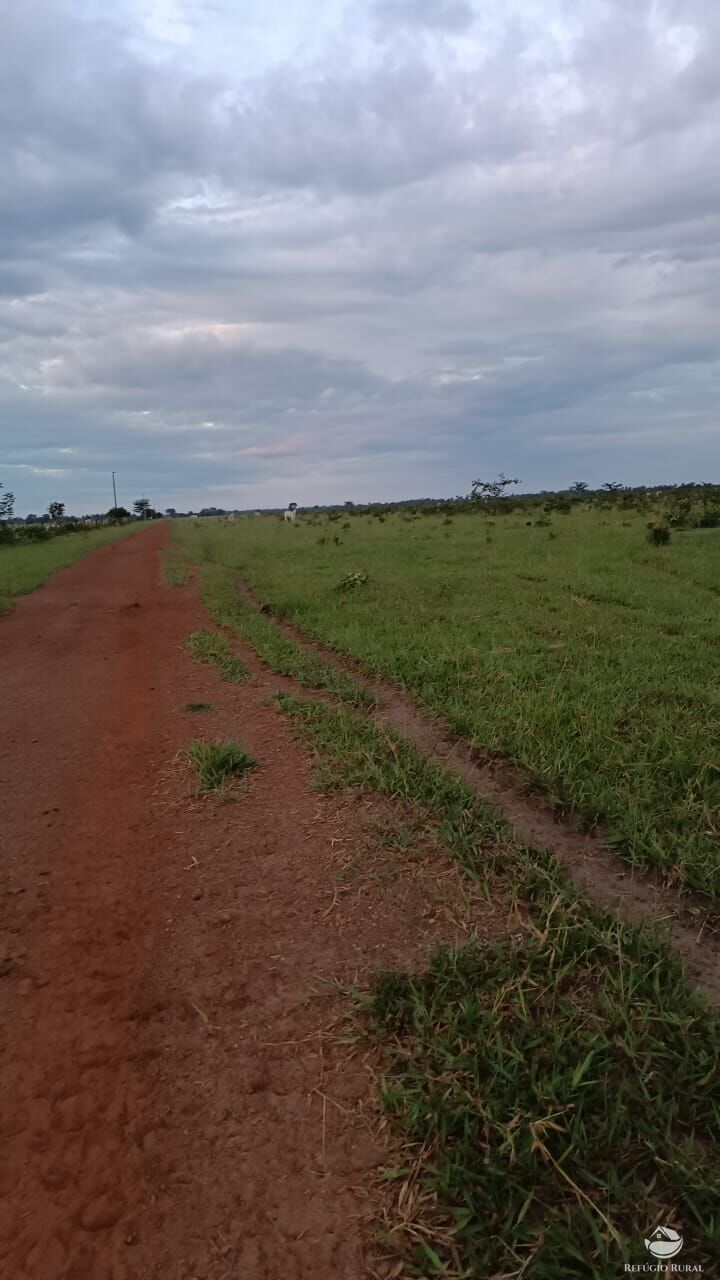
[114, 491]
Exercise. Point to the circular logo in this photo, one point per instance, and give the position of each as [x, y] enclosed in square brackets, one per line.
[664, 1242]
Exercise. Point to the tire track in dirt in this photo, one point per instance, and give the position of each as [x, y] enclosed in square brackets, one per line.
[176, 1099]
[605, 879]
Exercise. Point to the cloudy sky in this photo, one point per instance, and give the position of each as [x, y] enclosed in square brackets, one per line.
[320, 250]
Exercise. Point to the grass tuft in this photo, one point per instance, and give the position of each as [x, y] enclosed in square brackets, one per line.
[194, 708]
[213, 648]
[218, 763]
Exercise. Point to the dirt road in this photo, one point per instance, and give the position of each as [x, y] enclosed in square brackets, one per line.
[175, 1101]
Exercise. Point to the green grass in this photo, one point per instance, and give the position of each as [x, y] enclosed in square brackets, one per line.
[25, 567]
[577, 651]
[213, 648]
[176, 570]
[195, 708]
[282, 654]
[559, 1089]
[218, 763]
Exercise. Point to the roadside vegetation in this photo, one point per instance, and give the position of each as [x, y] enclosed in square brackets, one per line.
[555, 635]
[213, 648]
[28, 564]
[176, 570]
[227, 607]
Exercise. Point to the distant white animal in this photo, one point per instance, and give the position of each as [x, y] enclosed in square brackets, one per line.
[291, 512]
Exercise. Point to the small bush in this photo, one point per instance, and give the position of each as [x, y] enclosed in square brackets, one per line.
[658, 534]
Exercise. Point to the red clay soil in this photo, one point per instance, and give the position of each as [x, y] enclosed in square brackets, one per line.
[176, 1100]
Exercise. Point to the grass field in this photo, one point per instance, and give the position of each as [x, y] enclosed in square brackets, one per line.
[23, 568]
[554, 1092]
[573, 648]
[556, 1087]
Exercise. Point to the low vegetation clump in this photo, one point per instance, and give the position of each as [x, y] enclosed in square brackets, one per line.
[658, 533]
[351, 581]
[195, 708]
[218, 763]
[213, 648]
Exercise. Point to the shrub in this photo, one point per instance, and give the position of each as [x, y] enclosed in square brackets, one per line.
[658, 533]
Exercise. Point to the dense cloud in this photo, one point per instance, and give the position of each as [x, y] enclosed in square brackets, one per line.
[368, 256]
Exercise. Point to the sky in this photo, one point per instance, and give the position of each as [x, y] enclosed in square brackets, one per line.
[348, 250]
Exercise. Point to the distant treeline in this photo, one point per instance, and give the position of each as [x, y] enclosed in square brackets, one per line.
[679, 506]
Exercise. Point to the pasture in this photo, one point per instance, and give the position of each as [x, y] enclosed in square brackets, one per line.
[570, 647]
[551, 1089]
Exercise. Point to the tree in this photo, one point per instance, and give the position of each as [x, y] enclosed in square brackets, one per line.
[492, 492]
[578, 487]
[56, 510]
[7, 505]
[141, 507]
[612, 486]
[118, 513]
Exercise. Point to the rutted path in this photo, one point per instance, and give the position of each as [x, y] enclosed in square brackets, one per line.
[602, 876]
[176, 1102]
